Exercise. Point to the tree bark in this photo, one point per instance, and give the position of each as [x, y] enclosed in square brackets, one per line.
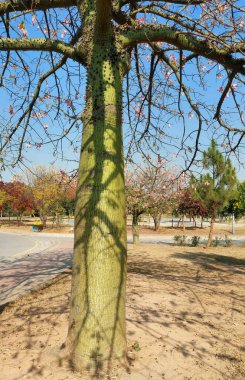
[135, 228]
[43, 220]
[97, 336]
[201, 221]
[210, 236]
[183, 223]
[157, 221]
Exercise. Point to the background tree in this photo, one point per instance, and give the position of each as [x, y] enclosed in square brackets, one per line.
[160, 185]
[173, 47]
[136, 197]
[47, 192]
[217, 186]
[189, 204]
[68, 183]
[5, 199]
[237, 204]
[21, 198]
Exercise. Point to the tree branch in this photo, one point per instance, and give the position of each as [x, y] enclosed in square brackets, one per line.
[180, 2]
[34, 5]
[39, 44]
[184, 41]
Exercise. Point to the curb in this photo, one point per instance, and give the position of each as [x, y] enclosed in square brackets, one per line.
[44, 285]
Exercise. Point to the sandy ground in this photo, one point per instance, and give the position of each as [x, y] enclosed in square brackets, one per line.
[191, 231]
[185, 319]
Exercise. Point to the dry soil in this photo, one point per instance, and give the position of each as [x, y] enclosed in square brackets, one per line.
[185, 319]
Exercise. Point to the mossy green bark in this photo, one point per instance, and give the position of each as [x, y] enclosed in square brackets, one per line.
[97, 335]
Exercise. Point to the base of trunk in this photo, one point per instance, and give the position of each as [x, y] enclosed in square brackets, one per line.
[61, 357]
[96, 367]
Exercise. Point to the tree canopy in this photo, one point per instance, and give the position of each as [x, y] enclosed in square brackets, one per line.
[177, 51]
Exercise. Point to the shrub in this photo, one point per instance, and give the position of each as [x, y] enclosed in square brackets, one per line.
[227, 241]
[195, 241]
[180, 239]
[216, 241]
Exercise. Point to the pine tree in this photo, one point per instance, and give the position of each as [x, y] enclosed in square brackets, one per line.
[217, 186]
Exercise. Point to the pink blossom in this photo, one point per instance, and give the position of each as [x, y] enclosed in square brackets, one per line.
[234, 86]
[64, 33]
[22, 28]
[172, 58]
[139, 110]
[140, 20]
[68, 102]
[11, 109]
[33, 19]
[168, 73]
[54, 33]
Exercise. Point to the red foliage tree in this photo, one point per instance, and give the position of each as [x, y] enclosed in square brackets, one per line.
[22, 199]
[190, 205]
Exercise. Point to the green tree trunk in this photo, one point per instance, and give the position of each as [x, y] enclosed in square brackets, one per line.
[97, 336]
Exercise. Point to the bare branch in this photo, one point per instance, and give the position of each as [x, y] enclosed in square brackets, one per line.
[39, 44]
[23, 5]
[185, 41]
[180, 2]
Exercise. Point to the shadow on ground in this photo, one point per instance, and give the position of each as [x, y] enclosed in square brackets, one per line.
[31, 272]
[185, 312]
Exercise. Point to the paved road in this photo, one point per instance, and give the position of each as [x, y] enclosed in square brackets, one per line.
[28, 261]
[13, 245]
